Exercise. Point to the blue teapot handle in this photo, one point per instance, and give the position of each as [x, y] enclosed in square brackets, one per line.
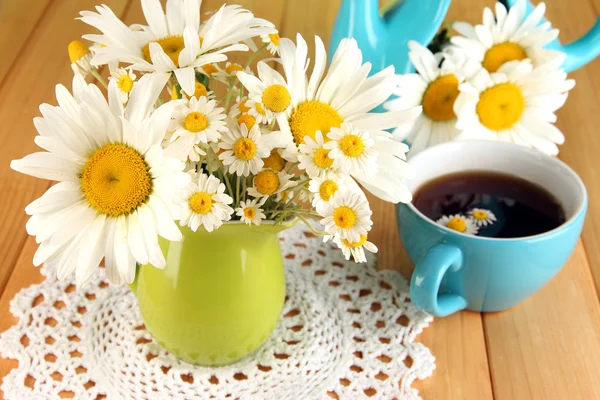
[428, 276]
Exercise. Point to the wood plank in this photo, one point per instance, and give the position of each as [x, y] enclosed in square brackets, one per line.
[43, 63]
[548, 347]
[18, 19]
[579, 119]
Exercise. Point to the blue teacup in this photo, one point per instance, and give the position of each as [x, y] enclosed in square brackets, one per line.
[455, 271]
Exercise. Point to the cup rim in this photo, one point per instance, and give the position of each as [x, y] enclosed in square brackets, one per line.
[513, 147]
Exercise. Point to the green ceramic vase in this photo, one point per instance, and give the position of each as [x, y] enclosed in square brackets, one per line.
[220, 295]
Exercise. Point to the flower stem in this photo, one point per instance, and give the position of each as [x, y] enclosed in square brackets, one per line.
[237, 191]
[226, 180]
[99, 77]
[309, 226]
[294, 165]
[258, 51]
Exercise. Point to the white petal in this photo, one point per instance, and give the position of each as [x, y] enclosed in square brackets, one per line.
[92, 251]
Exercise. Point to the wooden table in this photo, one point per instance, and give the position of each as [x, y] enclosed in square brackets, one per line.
[546, 348]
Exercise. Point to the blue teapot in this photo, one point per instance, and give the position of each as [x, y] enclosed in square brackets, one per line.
[384, 39]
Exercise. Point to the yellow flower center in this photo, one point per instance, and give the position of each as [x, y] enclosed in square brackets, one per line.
[116, 180]
[231, 68]
[480, 215]
[438, 100]
[276, 98]
[312, 116]
[249, 212]
[344, 217]
[243, 107]
[502, 53]
[125, 83]
[458, 224]
[285, 196]
[274, 161]
[244, 149]
[201, 203]
[266, 182]
[274, 38]
[360, 243]
[200, 91]
[501, 106]
[247, 119]
[209, 69]
[327, 189]
[77, 50]
[322, 159]
[352, 146]
[195, 122]
[171, 45]
[260, 109]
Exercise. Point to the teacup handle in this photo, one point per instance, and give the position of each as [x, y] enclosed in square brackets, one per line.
[427, 278]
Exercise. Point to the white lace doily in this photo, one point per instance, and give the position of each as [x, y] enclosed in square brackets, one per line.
[347, 332]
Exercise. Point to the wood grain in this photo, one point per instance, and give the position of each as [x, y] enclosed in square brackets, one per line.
[16, 26]
[536, 350]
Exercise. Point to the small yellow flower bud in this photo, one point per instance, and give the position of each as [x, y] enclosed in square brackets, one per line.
[77, 50]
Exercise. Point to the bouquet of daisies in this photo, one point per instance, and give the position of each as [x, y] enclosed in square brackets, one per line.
[494, 81]
[183, 137]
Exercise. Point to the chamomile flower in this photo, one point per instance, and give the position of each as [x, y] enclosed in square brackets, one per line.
[356, 249]
[200, 91]
[515, 104]
[244, 150]
[314, 157]
[229, 72]
[347, 215]
[175, 41]
[459, 223]
[269, 90]
[195, 123]
[435, 88]
[125, 80]
[345, 93]
[251, 212]
[323, 190]
[285, 196]
[352, 151]
[257, 110]
[80, 57]
[205, 203]
[508, 36]
[274, 161]
[209, 70]
[482, 217]
[116, 187]
[272, 42]
[268, 182]
[239, 108]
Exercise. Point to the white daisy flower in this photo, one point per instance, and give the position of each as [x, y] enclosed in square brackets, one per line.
[352, 151]
[125, 80]
[286, 196]
[175, 41]
[268, 182]
[314, 157]
[205, 203]
[508, 36]
[239, 108]
[251, 212]
[209, 70]
[244, 150]
[257, 110]
[347, 215]
[274, 161]
[435, 88]
[356, 249]
[116, 187]
[272, 40]
[482, 217]
[80, 57]
[515, 104]
[229, 72]
[323, 190]
[344, 94]
[196, 123]
[199, 91]
[269, 90]
[459, 223]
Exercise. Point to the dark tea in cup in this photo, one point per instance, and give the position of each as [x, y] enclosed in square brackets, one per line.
[521, 208]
